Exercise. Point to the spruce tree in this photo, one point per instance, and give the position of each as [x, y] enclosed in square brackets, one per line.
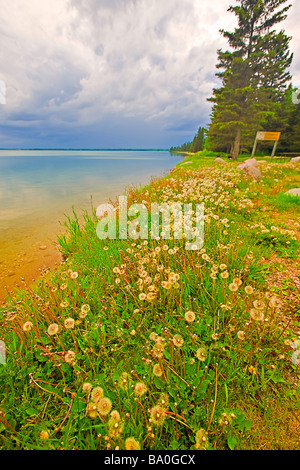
[254, 74]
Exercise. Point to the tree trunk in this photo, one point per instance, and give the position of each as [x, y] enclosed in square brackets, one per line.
[236, 145]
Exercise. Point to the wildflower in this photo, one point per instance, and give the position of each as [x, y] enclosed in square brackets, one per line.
[249, 290]
[115, 428]
[27, 326]
[104, 406]
[132, 444]
[69, 323]
[157, 370]
[115, 416]
[158, 415]
[275, 302]
[201, 354]
[74, 275]
[64, 304]
[69, 357]
[140, 389]
[84, 310]
[151, 296]
[97, 394]
[189, 316]
[43, 435]
[123, 380]
[142, 296]
[91, 410]
[223, 266]
[53, 329]
[256, 314]
[241, 335]
[224, 274]
[166, 285]
[252, 370]
[87, 387]
[214, 336]
[153, 336]
[233, 287]
[164, 400]
[178, 341]
[201, 439]
[237, 281]
[259, 304]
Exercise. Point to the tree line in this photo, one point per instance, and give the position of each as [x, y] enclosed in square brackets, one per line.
[255, 91]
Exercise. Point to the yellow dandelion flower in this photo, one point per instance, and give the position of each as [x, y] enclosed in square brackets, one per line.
[104, 406]
[140, 389]
[69, 323]
[190, 316]
[53, 329]
[178, 340]
[132, 444]
[27, 326]
[43, 435]
[157, 370]
[97, 394]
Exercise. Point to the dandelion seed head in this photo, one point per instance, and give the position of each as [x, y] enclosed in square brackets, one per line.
[53, 329]
[104, 406]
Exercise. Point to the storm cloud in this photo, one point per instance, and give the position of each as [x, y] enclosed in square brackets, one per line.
[111, 73]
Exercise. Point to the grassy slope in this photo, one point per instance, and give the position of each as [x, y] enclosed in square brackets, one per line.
[223, 380]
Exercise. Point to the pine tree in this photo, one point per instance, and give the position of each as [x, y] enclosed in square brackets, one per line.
[254, 74]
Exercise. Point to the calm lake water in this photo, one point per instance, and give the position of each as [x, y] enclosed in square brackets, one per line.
[37, 188]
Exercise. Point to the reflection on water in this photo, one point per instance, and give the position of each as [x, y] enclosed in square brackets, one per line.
[37, 187]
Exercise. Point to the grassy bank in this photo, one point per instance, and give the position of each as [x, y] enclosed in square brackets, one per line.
[144, 344]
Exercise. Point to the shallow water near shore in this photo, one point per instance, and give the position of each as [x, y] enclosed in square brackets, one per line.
[38, 188]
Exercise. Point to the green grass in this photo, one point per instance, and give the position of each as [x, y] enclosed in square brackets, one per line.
[200, 330]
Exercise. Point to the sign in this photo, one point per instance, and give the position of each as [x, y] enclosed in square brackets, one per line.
[262, 135]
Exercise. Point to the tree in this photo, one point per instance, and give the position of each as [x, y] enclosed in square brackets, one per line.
[253, 72]
[195, 146]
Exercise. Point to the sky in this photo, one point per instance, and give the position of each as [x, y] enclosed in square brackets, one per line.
[112, 73]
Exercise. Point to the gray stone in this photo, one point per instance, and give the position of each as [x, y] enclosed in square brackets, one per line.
[251, 172]
[294, 192]
[220, 160]
[247, 163]
[295, 160]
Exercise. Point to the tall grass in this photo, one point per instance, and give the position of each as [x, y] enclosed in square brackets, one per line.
[141, 344]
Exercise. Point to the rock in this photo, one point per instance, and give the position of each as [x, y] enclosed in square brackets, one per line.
[220, 160]
[250, 162]
[251, 172]
[43, 247]
[295, 160]
[294, 192]
[262, 162]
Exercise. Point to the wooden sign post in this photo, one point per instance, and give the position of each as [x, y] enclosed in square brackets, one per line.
[262, 135]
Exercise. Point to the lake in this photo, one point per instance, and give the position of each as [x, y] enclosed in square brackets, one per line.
[39, 187]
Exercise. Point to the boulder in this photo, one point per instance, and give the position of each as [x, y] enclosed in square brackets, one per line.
[220, 160]
[294, 192]
[295, 160]
[250, 162]
[251, 172]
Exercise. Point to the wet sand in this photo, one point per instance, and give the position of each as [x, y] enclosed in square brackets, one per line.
[22, 257]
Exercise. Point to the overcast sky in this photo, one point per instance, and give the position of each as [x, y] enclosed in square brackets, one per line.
[112, 73]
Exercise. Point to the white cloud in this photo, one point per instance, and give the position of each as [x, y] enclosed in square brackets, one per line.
[79, 62]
